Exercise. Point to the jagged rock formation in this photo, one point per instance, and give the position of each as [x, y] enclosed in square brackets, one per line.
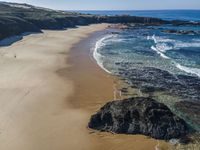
[139, 116]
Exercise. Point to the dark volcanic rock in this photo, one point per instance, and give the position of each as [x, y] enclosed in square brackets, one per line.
[184, 32]
[139, 116]
[149, 79]
[183, 23]
[191, 109]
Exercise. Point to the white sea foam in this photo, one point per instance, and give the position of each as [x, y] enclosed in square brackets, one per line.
[115, 40]
[149, 37]
[176, 43]
[97, 56]
[190, 70]
[180, 44]
[162, 39]
[196, 40]
[158, 39]
[159, 52]
[163, 47]
[160, 48]
[154, 38]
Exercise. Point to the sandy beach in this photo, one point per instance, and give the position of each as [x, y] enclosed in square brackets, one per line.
[50, 87]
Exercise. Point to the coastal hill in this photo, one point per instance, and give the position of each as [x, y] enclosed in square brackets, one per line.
[19, 18]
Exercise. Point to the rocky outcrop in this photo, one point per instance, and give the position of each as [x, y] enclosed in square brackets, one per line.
[184, 23]
[150, 79]
[191, 109]
[182, 32]
[183, 90]
[139, 116]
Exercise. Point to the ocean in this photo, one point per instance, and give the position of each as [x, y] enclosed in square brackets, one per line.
[150, 46]
[190, 15]
[164, 65]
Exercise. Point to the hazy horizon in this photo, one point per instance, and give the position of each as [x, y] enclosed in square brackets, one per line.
[113, 5]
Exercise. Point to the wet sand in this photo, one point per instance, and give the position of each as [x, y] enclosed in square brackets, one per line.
[50, 86]
[93, 88]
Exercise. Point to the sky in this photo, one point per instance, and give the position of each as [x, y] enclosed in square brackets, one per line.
[113, 4]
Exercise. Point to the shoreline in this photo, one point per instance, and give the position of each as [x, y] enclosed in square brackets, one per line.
[50, 90]
[98, 88]
[34, 99]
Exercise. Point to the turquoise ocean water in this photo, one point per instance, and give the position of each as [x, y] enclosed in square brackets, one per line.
[150, 46]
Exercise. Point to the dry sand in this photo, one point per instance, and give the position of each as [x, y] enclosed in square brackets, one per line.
[49, 92]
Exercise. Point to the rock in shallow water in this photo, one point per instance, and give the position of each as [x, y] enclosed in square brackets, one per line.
[139, 116]
[149, 79]
[192, 110]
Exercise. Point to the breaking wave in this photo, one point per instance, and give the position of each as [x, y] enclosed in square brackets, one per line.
[159, 52]
[162, 45]
[96, 55]
[190, 70]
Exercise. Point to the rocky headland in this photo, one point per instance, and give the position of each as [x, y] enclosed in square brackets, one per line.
[139, 115]
[17, 18]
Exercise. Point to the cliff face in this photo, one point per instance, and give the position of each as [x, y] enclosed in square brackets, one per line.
[18, 18]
